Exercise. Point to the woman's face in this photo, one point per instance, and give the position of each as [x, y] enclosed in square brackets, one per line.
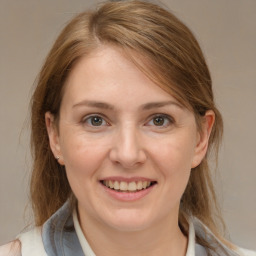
[128, 147]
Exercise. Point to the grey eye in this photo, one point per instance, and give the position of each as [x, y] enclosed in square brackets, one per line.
[95, 121]
[161, 121]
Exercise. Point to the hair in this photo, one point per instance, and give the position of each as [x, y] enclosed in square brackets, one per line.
[168, 53]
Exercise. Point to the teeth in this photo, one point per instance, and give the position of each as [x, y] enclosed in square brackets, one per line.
[126, 186]
[111, 184]
[144, 184]
[139, 185]
[116, 185]
[123, 185]
[132, 186]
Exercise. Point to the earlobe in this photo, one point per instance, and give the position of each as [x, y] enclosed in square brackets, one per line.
[203, 138]
[53, 137]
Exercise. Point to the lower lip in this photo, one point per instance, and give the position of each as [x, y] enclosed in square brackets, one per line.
[128, 196]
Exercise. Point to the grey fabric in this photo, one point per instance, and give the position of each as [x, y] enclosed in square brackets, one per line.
[202, 231]
[60, 239]
[59, 236]
[200, 251]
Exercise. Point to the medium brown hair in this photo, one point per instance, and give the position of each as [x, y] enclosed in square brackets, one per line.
[168, 53]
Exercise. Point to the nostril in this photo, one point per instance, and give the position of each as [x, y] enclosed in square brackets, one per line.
[127, 158]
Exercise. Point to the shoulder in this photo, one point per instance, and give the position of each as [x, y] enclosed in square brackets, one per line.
[11, 249]
[245, 252]
[28, 243]
[31, 242]
[203, 232]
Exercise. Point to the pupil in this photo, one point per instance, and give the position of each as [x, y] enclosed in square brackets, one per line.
[159, 121]
[96, 121]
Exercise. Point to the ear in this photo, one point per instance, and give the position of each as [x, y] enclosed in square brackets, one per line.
[53, 135]
[203, 138]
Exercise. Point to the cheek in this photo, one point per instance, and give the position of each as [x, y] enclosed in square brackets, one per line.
[174, 164]
[176, 154]
[82, 156]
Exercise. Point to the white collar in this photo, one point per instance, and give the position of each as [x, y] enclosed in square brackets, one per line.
[84, 244]
[191, 240]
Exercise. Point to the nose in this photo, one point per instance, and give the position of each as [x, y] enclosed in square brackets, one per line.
[127, 150]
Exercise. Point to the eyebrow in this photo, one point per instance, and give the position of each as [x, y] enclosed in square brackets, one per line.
[146, 106]
[95, 104]
[161, 104]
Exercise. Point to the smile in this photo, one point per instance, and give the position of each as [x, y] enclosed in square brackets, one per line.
[123, 186]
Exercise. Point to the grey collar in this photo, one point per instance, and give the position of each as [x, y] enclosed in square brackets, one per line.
[60, 238]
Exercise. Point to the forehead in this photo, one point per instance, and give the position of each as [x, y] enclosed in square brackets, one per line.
[107, 74]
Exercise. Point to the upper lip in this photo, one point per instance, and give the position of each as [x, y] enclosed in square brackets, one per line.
[126, 179]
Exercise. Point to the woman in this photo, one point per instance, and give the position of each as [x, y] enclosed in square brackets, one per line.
[123, 119]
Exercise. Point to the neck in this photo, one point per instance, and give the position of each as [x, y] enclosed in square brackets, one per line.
[164, 238]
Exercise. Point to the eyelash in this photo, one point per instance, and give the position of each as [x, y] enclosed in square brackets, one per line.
[89, 119]
[165, 117]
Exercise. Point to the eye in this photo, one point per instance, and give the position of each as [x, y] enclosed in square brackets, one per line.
[95, 121]
[161, 121]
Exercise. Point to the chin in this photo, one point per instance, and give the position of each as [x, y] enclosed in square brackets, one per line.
[128, 221]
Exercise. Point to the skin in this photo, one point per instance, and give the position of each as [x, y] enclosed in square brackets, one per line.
[11, 249]
[136, 139]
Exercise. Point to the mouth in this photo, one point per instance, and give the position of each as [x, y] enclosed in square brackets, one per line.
[123, 186]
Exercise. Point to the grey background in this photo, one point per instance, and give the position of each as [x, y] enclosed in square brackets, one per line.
[226, 30]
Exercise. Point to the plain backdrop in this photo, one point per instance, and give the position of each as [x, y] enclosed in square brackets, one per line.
[226, 30]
